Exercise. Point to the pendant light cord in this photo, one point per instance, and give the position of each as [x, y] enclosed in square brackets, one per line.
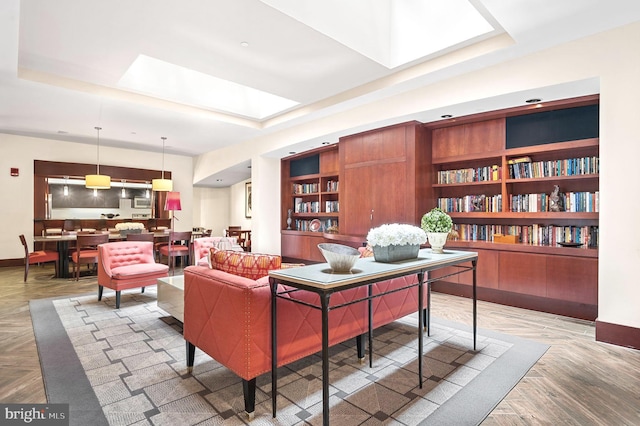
[163, 141]
[98, 159]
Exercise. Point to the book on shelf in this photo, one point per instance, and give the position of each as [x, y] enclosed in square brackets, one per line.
[536, 234]
[519, 160]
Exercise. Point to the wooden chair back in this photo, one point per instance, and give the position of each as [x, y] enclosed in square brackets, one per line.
[144, 236]
[86, 251]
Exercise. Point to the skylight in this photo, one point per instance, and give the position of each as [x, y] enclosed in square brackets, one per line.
[161, 79]
[390, 32]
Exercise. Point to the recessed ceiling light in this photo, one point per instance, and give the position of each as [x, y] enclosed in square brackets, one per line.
[533, 101]
[62, 132]
[133, 133]
[218, 180]
[325, 143]
[446, 116]
[249, 166]
[292, 152]
[244, 44]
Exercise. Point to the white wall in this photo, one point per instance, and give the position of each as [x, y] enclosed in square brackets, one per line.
[211, 209]
[610, 56]
[20, 151]
[265, 173]
[237, 206]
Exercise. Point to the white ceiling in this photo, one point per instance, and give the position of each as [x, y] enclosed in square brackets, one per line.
[61, 62]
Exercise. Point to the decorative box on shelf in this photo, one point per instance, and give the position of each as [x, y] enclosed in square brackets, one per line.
[510, 239]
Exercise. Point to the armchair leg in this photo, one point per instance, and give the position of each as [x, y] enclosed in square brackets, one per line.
[191, 355]
[117, 300]
[26, 271]
[142, 290]
[249, 391]
[100, 289]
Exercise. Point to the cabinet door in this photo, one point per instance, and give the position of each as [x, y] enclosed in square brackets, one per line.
[523, 273]
[573, 279]
[374, 195]
[487, 271]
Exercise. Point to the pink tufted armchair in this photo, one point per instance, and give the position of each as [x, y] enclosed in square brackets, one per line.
[127, 264]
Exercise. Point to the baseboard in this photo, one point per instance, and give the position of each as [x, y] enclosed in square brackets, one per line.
[518, 300]
[616, 334]
[11, 262]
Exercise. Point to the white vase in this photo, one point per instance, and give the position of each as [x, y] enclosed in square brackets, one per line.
[437, 240]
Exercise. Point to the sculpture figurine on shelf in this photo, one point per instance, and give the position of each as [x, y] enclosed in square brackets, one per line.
[555, 202]
[289, 219]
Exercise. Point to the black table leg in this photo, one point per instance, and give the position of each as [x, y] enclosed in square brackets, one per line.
[324, 303]
[428, 319]
[274, 344]
[63, 259]
[475, 299]
[370, 301]
[420, 325]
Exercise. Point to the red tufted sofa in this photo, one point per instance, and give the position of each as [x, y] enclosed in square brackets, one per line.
[127, 264]
[228, 316]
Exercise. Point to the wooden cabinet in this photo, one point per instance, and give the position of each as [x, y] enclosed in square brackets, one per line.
[468, 167]
[384, 174]
[490, 189]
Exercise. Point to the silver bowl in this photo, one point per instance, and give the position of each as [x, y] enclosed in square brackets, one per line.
[341, 258]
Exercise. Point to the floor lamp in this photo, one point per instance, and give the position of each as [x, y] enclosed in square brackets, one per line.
[172, 203]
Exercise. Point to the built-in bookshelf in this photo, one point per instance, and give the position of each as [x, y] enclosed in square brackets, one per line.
[483, 201]
[522, 188]
[311, 190]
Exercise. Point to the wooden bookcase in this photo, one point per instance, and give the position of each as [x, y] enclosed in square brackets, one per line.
[391, 175]
[472, 180]
[311, 190]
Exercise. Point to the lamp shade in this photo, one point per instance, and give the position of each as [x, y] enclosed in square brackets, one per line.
[97, 181]
[173, 201]
[162, 185]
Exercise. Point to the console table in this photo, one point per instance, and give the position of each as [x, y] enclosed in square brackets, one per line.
[320, 280]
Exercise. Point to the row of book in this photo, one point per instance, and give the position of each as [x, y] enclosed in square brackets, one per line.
[331, 206]
[305, 224]
[568, 201]
[332, 186]
[472, 203]
[306, 207]
[305, 188]
[544, 235]
[300, 206]
[524, 168]
[478, 174]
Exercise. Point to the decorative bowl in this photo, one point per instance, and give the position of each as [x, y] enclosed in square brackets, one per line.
[341, 258]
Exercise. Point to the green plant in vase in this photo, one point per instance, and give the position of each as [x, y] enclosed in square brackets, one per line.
[437, 224]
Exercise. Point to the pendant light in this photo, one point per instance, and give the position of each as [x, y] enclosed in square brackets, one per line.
[98, 181]
[146, 191]
[65, 188]
[123, 193]
[163, 184]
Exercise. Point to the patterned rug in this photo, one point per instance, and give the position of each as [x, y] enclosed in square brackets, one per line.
[127, 367]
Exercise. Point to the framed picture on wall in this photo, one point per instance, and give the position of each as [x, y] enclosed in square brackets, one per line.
[247, 199]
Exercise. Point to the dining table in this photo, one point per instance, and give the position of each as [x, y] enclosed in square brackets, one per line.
[63, 241]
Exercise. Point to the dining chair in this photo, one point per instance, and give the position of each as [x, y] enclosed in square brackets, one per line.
[179, 245]
[236, 232]
[86, 251]
[42, 256]
[143, 236]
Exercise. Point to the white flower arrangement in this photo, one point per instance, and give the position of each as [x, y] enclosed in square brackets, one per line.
[129, 226]
[396, 234]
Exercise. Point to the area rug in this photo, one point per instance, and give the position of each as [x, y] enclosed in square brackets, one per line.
[127, 367]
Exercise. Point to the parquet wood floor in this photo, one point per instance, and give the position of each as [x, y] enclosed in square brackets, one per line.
[577, 382]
